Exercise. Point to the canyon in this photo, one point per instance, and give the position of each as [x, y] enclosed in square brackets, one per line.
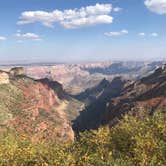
[78, 77]
[34, 102]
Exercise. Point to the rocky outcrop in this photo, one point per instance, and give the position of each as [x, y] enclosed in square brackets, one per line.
[56, 86]
[147, 94]
[4, 77]
[17, 71]
[39, 109]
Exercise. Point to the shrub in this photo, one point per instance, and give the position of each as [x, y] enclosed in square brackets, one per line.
[133, 141]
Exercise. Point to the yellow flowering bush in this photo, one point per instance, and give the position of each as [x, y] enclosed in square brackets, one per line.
[133, 141]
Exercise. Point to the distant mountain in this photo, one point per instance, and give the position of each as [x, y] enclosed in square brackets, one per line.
[76, 78]
[39, 109]
[123, 68]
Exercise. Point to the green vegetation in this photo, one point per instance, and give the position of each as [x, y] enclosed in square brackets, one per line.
[133, 141]
[10, 97]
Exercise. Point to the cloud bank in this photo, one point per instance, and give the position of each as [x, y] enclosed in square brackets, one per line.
[70, 18]
[157, 6]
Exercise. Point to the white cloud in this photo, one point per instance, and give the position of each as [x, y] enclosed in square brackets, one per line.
[141, 34]
[157, 6]
[70, 18]
[2, 38]
[120, 33]
[117, 9]
[29, 36]
[154, 34]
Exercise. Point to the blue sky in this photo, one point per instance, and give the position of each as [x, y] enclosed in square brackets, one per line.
[82, 30]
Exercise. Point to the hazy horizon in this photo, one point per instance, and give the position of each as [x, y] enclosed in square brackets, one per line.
[47, 63]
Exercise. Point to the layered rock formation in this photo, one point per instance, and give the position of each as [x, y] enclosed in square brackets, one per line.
[39, 109]
[109, 101]
[42, 110]
[96, 100]
[76, 78]
[147, 94]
